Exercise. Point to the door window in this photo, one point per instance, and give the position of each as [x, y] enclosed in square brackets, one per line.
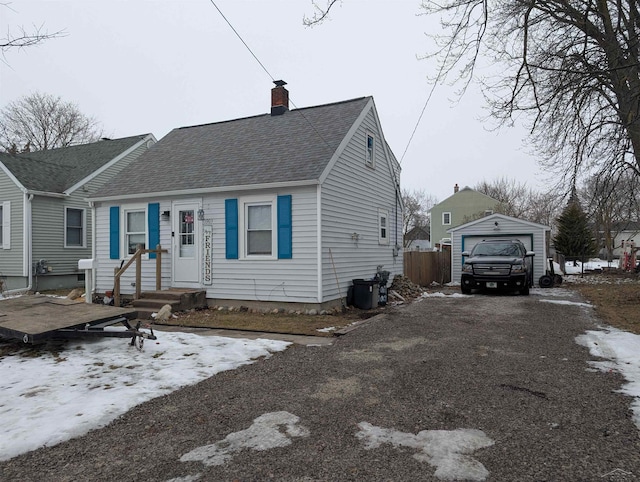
[186, 235]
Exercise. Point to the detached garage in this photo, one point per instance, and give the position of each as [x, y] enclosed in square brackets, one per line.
[533, 235]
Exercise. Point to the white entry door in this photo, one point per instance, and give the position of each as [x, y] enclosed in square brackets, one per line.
[186, 244]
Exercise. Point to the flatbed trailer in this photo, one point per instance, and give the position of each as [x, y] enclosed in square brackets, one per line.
[36, 319]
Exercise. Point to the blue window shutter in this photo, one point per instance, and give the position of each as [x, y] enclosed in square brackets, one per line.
[114, 232]
[284, 227]
[231, 228]
[153, 216]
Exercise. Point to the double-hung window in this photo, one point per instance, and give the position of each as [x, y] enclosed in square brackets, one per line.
[259, 229]
[74, 228]
[383, 226]
[5, 225]
[135, 229]
[446, 219]
[370, 150]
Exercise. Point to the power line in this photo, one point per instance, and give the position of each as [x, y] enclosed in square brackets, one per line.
[241, 40]
[433, 88]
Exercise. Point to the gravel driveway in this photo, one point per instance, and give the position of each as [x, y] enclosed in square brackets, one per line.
[450, 388]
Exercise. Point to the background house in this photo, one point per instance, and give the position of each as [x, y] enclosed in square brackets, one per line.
[417, 239]
[533, 235]
[463, 206]
[45, 217]
[285, 207]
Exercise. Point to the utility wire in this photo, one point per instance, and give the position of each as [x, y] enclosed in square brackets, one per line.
[433, 88]
[241, 40]
[268, 73]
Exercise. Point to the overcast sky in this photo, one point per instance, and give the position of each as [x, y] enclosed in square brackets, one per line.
[150, 66]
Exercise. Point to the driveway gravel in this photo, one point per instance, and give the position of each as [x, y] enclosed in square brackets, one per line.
[484, 387]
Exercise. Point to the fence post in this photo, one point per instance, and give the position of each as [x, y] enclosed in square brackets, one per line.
[158, 267]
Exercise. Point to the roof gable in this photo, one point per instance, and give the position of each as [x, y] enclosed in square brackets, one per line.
[498, 217]
[295, 146]
[56, 170]
[468, 193]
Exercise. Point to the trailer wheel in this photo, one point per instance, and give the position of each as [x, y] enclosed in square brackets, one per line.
[545, 281]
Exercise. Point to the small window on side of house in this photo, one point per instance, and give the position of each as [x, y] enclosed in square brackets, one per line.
[370, 151]
[446, 219]
[74, 225]
[488, 212]
[383, 226]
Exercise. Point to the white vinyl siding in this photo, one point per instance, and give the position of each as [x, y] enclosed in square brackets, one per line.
[104, 278]
[285, 280]
[352, 194]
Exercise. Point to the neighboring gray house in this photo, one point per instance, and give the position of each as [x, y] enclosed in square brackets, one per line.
[533, 235]
[45, 218]
[286, 207]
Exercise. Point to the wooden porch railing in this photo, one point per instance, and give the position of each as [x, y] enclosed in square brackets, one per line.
[137, 258]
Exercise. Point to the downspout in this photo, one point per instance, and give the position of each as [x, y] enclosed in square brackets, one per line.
[319, 240]
[27, 245]
[94, 273]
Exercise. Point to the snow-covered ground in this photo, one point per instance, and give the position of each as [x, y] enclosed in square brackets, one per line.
[88, 384]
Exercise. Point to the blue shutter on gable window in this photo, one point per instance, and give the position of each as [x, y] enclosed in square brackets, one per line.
[285, 239]
[114, 232]
[231, 228]
[153, 217]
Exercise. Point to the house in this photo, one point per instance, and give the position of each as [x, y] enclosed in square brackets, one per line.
[417, 239]
[284, 207]
[45, 219]
[533, 235]
[463, 206]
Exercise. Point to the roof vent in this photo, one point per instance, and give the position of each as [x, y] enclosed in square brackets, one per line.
[279, 98]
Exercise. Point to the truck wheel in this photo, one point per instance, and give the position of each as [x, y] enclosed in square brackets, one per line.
[545, 281]
[524, 291]
[465, 290]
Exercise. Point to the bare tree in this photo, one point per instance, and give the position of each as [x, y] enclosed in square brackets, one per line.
[39, 122]
[320, 13]
[416, 213]
[517, 200]
[572, 67]
[612, 202]
[21, 37]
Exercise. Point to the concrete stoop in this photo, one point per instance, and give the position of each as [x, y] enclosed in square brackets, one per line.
[179, 300]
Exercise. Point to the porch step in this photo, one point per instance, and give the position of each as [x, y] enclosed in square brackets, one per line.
[179, 299]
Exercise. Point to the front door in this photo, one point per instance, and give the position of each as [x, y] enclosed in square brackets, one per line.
[186, 242]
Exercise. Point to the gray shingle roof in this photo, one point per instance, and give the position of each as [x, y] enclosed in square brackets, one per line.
[56, 170]
[294, 146]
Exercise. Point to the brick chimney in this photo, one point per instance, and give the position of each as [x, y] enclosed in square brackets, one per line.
[279, 98]
[455, 188]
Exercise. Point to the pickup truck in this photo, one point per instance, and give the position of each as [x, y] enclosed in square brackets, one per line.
[497, 264]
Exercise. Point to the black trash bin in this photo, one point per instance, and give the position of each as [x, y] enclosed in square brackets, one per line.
[365, 293]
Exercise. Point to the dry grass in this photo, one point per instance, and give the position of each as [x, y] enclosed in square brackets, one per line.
[270, 322]
[616, 297]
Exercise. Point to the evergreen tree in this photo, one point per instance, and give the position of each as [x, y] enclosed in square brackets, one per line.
[574, 238]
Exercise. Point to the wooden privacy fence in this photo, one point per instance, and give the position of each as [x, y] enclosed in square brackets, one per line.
[425, 267]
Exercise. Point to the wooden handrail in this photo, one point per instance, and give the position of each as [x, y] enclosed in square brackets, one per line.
[137, 258]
